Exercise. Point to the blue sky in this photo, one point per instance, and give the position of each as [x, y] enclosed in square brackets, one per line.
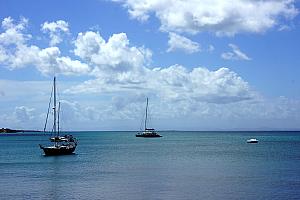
[205, 65]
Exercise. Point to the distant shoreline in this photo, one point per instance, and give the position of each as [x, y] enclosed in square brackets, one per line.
[8, 130]
[20, 131]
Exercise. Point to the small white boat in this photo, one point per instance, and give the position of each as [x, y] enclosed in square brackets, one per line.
[252, 140]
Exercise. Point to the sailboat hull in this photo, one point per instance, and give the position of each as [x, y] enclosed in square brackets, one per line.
[60, 150]
[63, 145]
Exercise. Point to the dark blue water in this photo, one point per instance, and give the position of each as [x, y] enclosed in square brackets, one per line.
[180, 165]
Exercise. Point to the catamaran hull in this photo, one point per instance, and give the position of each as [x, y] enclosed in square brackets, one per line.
[50, 151]
[252, 142]
[148, 136]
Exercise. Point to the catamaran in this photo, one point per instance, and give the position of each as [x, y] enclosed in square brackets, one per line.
[148, 132]
[63, 145]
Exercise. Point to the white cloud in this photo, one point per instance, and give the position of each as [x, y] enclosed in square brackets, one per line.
[49, 60]
[217, 16]
[13, 49]
[13, 32]
[69, 66]
[178, 42]
[175, 83]
[21, 117]
[220, 86]
[235, 54]
[16, 53]
[114, 55]
[3, 56]
[23, 113]
[55, 30]
[114, 61]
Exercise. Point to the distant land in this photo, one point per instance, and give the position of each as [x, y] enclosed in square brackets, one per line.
[8, 130]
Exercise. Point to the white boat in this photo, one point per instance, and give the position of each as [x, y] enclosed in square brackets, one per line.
[252, 140]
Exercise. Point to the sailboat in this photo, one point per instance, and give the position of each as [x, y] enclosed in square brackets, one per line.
[62, 145]
[148, 132]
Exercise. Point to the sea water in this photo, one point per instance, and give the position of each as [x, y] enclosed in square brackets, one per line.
[180, 165]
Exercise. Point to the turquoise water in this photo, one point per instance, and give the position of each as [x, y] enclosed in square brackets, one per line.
[180, 165]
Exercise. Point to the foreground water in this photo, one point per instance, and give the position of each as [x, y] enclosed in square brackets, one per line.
[180, 165]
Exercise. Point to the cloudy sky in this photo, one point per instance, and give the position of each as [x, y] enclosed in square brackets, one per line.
[204, 64]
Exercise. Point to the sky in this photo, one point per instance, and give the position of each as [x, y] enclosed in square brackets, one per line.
[203, 64]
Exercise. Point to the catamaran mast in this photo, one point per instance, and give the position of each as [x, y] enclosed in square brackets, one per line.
[146, 114]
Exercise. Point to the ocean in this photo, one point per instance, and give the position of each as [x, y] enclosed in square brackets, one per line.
[178, 166]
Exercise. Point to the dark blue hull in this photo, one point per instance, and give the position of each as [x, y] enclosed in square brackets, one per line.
[54, 151]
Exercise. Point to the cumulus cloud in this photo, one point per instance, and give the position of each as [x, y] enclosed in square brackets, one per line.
[23, 113]
[114, 55]
[217, 16]
[13, 48]
[176, 83]
[118, 66]
[114, 61]
[50, 60]
[178, 42]
[220, 86]
[15, 52]
[13, 34]
[234, 54]
[55, 30]
[19, 117]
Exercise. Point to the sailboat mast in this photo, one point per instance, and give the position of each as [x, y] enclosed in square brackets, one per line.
[146, 114]
[58, 112]
[54, 106]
